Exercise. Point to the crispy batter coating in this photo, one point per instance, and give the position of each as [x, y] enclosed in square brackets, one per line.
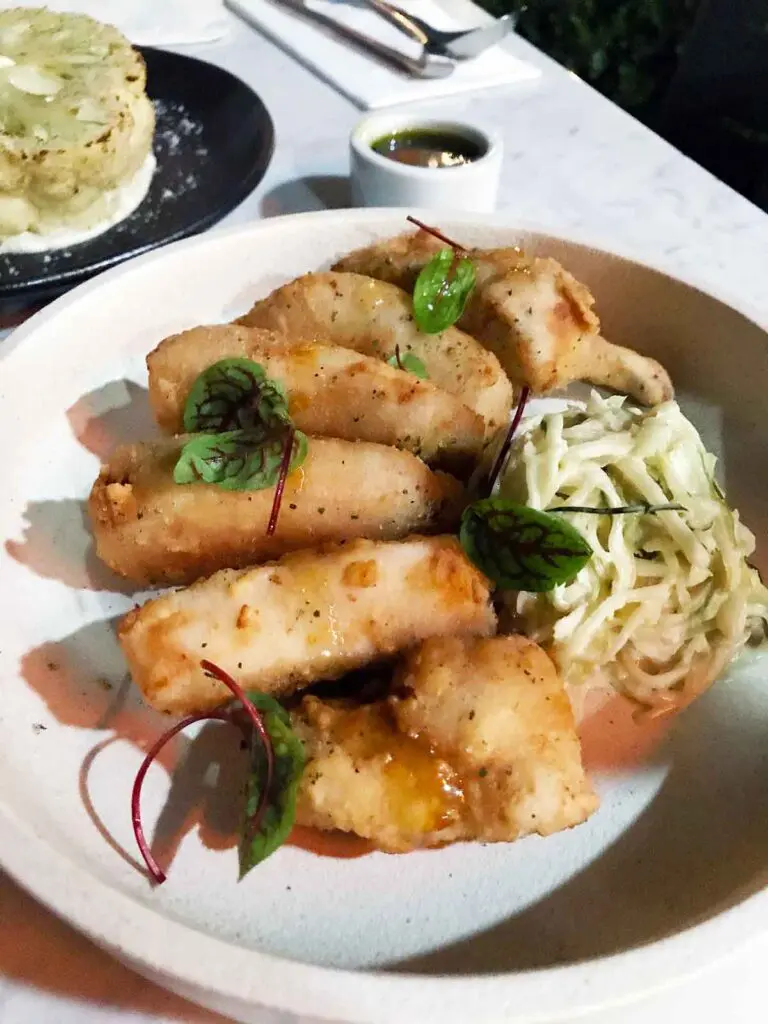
[534, 315]
[478, 742]
[154, 531]
[373, 317]
[312, 615]
[333, 391]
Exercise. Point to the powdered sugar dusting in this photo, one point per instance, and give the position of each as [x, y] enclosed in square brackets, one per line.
[178, 130]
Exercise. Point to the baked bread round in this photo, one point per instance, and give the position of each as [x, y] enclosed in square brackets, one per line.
[75, 120]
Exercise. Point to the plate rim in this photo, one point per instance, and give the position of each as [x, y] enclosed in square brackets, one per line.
[177, 953]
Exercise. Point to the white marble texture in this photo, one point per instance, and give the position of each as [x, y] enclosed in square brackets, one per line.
[573, 164]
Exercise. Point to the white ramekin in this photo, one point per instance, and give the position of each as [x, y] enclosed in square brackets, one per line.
[379, 181]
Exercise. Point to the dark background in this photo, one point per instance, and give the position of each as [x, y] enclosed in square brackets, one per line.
[695, 71]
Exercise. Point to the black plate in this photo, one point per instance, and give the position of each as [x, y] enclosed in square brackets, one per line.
[213, 144]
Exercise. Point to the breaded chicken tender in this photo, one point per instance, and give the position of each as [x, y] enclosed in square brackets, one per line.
[373, 317]
[477, 742]
[398, 260]
[534, 315]
[333, 391]
[154, 531]
[364, 775]
[313, 615]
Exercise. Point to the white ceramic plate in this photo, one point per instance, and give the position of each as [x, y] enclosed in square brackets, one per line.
[666, 877]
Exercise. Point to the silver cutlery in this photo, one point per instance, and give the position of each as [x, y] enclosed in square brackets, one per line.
[426, 65]
[455, 45]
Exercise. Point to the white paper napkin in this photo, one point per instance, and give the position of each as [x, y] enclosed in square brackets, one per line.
[362, 78]
[152, 22]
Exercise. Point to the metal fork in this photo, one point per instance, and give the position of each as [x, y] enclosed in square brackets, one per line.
[426, 65]
[457, 45]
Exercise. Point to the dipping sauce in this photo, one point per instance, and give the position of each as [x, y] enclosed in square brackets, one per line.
[423, 147]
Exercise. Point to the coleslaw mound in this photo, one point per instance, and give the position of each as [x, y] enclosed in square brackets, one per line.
[668, 598]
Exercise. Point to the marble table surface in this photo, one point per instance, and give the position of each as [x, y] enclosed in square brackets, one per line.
[574, 164]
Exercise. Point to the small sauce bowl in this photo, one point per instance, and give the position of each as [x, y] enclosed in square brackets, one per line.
[467, 179]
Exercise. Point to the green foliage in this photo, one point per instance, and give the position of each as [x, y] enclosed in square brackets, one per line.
[234, 394]
[441, 291]
[289, 760]
[522, 548]
[410, 363]
[239, 460]
[627, 49]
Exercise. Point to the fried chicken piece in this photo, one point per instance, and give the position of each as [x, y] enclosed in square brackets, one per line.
[498, 709]
[534, 315]
[333, 392]
[364, 775]
[477, 742]
[312, 615]
[373, 317]
[398, 260]
[154, 531]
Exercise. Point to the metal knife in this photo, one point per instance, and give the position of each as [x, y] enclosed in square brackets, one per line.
[424, 66]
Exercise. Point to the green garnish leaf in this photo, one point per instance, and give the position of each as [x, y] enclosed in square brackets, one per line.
[238, 460]
[277, 818]
[521, 548]
[441, 291]
[411, 363]
[234, 394]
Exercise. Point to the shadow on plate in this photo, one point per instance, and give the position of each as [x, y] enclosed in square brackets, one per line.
[57, 542]
[207, 771]
[115, 413]
[41, 952]
[315, 192]
[58, 545]
[618, 736]
[206, 793]
[700, 847]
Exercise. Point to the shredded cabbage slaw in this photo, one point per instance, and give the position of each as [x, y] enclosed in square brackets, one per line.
[668, 598]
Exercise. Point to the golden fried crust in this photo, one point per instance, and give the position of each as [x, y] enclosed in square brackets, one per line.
[398, 260]
[312, 615]
[333, 391]
[534, 315]
[365, 776]
[154, 531]
[478, 742]
[498, 711]
[373, 317]
[540, 322]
